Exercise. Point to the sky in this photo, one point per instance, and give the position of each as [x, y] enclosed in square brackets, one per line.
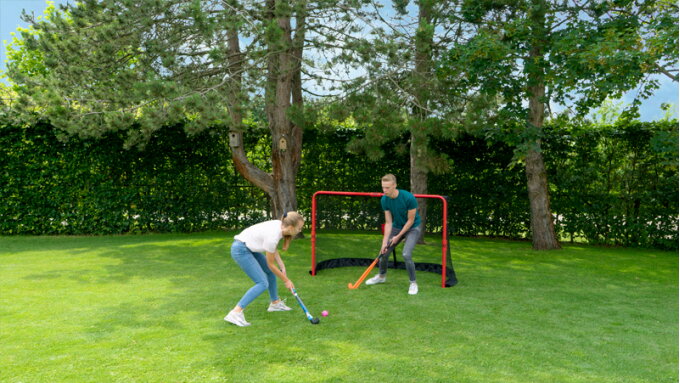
[10, 20]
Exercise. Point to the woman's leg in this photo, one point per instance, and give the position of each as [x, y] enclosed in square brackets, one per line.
[271, 277]
[249, 264]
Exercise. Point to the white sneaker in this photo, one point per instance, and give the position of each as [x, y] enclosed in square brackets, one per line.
[280, 306]
[413, 288]
[236, 318]
[375, 280]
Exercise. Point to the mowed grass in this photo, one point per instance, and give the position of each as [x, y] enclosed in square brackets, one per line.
[149, 309]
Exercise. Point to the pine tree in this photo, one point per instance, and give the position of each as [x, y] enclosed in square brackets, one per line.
[138, 65]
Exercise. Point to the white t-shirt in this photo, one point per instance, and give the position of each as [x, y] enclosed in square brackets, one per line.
[261, 237]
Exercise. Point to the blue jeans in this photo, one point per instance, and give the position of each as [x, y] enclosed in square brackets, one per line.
[255, 266]
[411, 237]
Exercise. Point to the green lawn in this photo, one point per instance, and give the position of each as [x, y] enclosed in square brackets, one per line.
[149, 309]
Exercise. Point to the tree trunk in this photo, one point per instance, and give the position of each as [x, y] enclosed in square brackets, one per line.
[419, 175]
[298, 101]
[238, 154]
[542, 225]
[283, 61]
[285, 136]
[424, 41]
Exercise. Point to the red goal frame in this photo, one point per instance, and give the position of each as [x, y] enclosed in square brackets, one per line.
[445, 243]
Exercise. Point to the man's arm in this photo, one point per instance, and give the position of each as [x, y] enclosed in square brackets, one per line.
[386, 232]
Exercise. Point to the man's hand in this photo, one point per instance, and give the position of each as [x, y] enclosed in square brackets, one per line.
[384, 247]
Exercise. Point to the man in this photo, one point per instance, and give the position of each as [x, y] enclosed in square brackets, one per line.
[402, 221]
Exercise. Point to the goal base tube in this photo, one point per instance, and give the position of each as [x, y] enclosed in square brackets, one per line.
[449, 281]
[365, 262]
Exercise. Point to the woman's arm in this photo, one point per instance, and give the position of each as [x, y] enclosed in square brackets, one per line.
[272, 263]
[279, 261]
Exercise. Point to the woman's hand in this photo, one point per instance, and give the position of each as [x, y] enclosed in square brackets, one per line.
[289, 285]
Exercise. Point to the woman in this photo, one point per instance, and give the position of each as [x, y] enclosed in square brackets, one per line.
[247, 250]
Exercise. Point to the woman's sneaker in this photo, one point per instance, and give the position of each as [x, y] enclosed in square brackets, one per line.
[236, 318]
[375, 280]
[279, 306]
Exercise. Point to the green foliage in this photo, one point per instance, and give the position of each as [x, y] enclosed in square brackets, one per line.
[397, 91]
[328, 166]
[592, 51]
[614, 185]
[178, 183]
[486, 195]
[94, 67]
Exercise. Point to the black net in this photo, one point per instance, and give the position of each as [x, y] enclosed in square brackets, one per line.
[338, 215]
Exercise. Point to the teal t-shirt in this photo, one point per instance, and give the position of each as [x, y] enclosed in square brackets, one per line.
[399, 208]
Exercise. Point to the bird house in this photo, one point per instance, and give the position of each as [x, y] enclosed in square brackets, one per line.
[233, 140]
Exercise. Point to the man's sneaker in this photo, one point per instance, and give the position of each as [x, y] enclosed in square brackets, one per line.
[236, 318]
[375, 280]
[280, 306]
[413, 288]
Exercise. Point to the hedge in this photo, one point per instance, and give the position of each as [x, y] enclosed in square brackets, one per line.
[614, 185]
[175, 184]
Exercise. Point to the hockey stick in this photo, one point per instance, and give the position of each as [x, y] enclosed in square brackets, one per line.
[309, 316]
[363, 276]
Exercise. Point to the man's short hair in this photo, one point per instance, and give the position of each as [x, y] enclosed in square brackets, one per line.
[389, 178]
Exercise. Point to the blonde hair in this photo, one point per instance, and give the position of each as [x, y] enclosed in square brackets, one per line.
[389, 178]
[291, 218]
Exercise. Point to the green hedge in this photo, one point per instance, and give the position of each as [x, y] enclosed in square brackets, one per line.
[177, 183]
[326, 165]
[615, 185]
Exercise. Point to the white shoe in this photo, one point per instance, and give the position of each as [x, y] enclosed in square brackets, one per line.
[280, 306]
[236, 318]
[375, 280]
[413, 288]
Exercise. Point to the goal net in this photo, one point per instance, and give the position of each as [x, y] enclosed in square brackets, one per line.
[360, 211]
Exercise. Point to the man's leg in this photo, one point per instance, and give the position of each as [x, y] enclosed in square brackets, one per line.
[410, 243]
[385, 257]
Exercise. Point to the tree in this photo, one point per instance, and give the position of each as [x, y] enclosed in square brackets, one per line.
[139, 65]
[422, 71]
[532, 52]
[398, 93]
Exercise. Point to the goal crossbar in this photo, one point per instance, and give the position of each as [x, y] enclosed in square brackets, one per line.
[445, 242]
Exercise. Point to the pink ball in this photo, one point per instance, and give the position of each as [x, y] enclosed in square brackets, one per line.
[324, 313]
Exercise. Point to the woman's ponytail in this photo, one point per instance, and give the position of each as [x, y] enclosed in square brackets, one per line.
[289, 219]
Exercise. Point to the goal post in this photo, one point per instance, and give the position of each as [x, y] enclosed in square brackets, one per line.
[446, 268]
